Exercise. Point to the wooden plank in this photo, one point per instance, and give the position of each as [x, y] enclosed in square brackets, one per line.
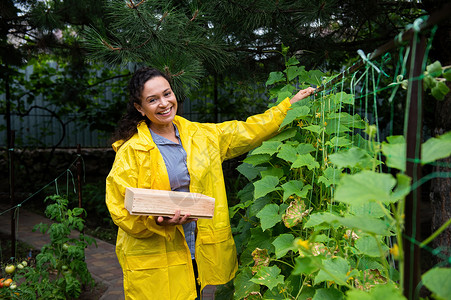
[164, 203]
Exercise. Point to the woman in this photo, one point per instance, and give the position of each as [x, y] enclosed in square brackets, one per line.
[156, 149]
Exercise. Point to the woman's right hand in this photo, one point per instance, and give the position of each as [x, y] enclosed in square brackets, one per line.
[175, 220]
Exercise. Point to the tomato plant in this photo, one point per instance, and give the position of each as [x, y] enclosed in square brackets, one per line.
[319, 218]
[60, 269]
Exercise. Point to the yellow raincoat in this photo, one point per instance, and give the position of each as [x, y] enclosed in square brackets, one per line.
[156, 260]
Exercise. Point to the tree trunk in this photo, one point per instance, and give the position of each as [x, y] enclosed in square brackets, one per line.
[440, 192]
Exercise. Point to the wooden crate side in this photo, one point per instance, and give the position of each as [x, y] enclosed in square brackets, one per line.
[165, 203]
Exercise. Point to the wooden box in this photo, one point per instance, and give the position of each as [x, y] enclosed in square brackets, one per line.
[165, 203]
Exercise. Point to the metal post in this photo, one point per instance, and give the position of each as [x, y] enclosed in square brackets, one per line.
[413, 168]
[12, 200]
[79, 166]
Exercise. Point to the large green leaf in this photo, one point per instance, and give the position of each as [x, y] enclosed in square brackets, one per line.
[284, 135]
[306, 265]
[292, 187]
[344, 98]
[328, 294]
[294, 114]
[265, 185]
[436, 148]
[330, 176]
[243, 284]
[335, 126]
[364, 223]
[369, 246]
[305, 160]
[314, 128]
[283, 243]
[333, 269]
[268, 276]
[352, 158]
[395, 152]
[339, 142]
[257, 159]
[249, 171]
[438, 281]
[272, 171]
[269, 216]
[365, 186]
[260, 239]
[275, 77]
[379, 292]
[267, 147]
[304, 148]
[287, 152]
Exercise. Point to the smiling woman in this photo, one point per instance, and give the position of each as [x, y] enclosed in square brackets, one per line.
[159, 105]
[177, 257]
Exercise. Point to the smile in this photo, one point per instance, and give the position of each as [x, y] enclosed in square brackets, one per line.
[167, 111]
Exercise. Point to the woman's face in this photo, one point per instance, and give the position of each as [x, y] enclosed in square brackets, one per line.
[158, 102]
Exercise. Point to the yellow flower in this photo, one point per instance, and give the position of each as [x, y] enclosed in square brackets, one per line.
[317, 115]
[325, 123]
[304, 244]
[300, 124]
[395, 251]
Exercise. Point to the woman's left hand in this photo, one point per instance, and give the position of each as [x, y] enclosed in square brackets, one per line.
[302, 94]
[177, 219]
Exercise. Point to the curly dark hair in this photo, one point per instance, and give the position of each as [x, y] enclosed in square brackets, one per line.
[127, 126]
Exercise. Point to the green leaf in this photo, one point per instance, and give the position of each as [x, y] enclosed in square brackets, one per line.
[294, 71]
[364, 223]
[379, 292]
[344, 98]
[438, 281]
[334, 126]
[434, 69]
[305, 148]
[265, 186]
[352, 158]
[315, 77]
[440, 90]
[260, 239]
[330, 176]
[370, 209]
[436, 148]
[292, 61]
[368, 245]
[257, 159]
[336, 271]
[283, 243]
[328, 294]
[305, 160]
[294, 114]
[272, 171]
[269, 216]
[292, 187]
[275, 77]
[313, 128]
[284, 135]
[268, 276]
[287, 152]
[267, 147]
[306, 265]
[249, 171]
[365, 186]
[339, 142]
[395, 152]
[243, 284]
